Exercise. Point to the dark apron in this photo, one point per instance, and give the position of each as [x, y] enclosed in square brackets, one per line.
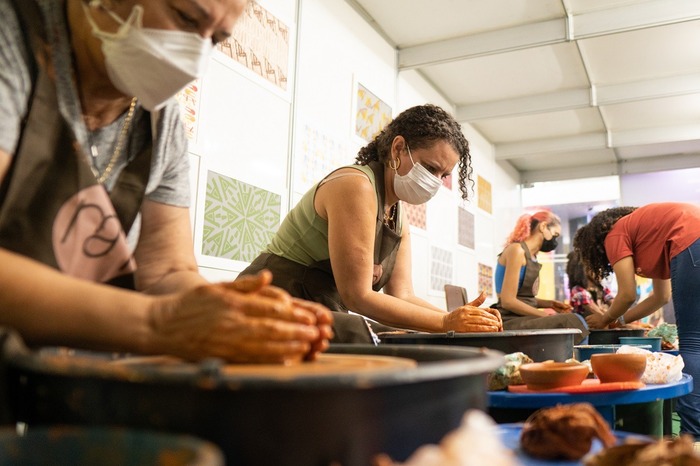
[526, 293]
[315, 282]
[51, 207]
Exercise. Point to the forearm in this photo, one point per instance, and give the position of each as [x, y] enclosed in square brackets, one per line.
[545, 303]
[164, 256]
[50, 308]
[172, 281]
[518, 307]
[619, 307]
[593, 308]
[396, 312]
[643, 309]
[413, 299]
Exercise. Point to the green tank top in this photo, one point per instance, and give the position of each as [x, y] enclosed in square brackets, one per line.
[303, 235]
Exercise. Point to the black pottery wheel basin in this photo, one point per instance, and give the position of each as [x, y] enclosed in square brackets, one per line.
[540, 345]
[310, 420]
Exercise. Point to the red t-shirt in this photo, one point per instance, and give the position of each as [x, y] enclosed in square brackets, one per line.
[654, 234]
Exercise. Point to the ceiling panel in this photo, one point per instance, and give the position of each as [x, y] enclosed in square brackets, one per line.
[411, 22]
[656, 113]
[540, 126]
[643, 54]
[514, 74]
[560, 86]
[570, 161]
[653, 150]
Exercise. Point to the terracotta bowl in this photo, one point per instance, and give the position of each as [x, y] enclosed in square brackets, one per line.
[617, 367]
[548, 375]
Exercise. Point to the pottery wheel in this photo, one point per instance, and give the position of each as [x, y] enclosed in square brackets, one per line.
[324, 364]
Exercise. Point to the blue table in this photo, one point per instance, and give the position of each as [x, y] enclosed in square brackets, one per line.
[510, 436]
[604, 402]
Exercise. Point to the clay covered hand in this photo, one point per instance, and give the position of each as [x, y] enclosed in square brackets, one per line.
[560, 307]
[247, 321]
[471, 318]
[596, 321]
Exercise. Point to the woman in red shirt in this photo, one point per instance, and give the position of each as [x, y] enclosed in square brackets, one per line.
[661, 242]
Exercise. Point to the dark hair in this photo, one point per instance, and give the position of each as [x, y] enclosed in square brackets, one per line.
[422, 126]
[589, 241]
[576, 271]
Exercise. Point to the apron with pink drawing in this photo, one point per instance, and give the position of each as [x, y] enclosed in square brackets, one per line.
[52, 209]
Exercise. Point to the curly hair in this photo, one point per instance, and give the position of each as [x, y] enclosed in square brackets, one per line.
[528, 222]
[422, 126]
[589, 241]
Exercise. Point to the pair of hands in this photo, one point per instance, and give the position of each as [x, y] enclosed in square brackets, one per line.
[557, 307]
[598, 321]
[246, 321]
[471, 318]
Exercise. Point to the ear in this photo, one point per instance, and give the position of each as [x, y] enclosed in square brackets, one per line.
[398, 145]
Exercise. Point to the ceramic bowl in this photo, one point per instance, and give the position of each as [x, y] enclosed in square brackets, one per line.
[549, 375]
[655, 342]
[617, 367]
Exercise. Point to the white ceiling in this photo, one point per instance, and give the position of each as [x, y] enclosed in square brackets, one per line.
[561, 88]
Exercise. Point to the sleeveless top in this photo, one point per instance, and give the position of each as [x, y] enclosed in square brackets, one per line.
[529, 287]
[314, 281]
[303, 235]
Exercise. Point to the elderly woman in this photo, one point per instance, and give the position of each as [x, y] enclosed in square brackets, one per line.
[94, 188]
[348, 239]
[661, 242]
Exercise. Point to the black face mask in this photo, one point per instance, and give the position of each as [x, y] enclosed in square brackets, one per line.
[549, 245]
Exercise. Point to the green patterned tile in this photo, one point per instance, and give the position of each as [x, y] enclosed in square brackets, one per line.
[239, 219]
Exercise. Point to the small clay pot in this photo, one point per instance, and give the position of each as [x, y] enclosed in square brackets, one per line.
[549, 375]
[616, 367]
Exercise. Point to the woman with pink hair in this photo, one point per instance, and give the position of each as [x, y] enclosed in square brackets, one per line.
[518, 278]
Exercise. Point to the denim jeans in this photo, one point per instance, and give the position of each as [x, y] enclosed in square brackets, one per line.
[583, 320]
[685, 284]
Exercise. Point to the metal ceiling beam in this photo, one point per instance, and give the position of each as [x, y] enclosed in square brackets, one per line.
[526, 105]
[636, 15]
[487, 43]
[578, 142]
[581, 98]
[625, 167]
[597, 141]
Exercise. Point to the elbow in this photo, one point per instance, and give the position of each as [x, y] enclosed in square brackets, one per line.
[508, 303]
[353, 299]
[624, 301]
[664, 298]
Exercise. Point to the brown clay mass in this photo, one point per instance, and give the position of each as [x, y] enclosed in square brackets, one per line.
[564, 432]
[674, 452]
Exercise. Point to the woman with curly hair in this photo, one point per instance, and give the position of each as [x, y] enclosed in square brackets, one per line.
[658, 241]
[348, 238]
[518, 278]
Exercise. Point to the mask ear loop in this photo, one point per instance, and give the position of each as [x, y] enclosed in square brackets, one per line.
[410, 156]
[134, 19]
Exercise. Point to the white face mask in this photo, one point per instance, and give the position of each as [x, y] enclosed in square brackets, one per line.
[417, 186]
[150, 64]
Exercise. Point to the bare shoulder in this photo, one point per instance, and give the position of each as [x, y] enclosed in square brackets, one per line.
[346, 190]
[347, 181]
[513, 252]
